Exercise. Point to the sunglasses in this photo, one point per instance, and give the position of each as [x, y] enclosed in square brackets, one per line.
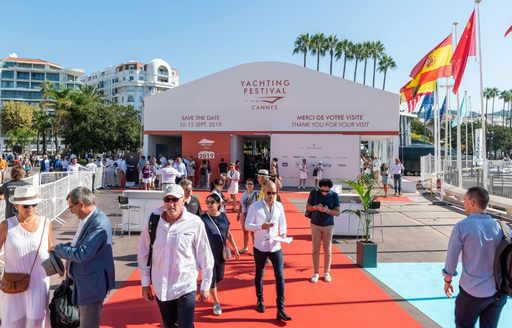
[171, 199]
[271, 193]
[210, 202]
[29, 205]
[249, 184]
[324, 191]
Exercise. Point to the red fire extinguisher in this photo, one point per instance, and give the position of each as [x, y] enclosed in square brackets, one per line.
[438, 183]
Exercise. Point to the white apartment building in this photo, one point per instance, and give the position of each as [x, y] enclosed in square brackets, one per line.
[129, 83]
[20, 78]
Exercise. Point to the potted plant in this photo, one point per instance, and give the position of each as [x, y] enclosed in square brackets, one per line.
[366, 249]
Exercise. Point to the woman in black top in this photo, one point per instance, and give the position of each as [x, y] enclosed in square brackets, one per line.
[217, 229]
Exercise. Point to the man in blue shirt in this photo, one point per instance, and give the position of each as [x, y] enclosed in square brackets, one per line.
[324, 205]
[477, 237]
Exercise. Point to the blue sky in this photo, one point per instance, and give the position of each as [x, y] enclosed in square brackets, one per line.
[202, 37]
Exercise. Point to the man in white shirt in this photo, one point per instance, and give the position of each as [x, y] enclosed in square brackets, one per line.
[180, 167]
[396, 171]
[74, 167]
[91, 166]
[180, 247]
[266, 218]
[168, 175]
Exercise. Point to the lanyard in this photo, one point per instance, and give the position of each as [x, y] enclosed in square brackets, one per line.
[268, 214]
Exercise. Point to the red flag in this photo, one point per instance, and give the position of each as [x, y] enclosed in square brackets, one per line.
[465, 48]
[508, 31]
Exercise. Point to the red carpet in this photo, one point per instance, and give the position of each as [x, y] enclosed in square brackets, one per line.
[352, 299]
[402, 198]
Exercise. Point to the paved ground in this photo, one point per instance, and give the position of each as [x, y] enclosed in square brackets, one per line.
[413, 232]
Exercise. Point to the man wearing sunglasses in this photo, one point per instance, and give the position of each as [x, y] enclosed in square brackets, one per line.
[324, 205]
[169, 263]
[266, 218]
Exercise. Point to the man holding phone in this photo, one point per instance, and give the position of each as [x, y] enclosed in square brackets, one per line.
[266, 218]
[324, 205]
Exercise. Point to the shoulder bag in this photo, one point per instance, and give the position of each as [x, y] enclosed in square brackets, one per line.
[14, 283]
[307, 213]
[226, 252]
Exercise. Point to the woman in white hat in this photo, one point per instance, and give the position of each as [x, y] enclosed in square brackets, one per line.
[26, 238]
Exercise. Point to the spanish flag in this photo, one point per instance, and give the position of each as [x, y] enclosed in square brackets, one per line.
[412, 91]
[436, 64]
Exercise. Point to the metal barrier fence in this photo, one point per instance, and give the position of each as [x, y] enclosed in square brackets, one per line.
[499, 175]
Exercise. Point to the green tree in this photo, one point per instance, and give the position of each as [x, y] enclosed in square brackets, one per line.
[344, 48]
[43, 123]
[487, 96]
[494, 92]
[358, 52]
[302, 45]
[386, 63]
[365, 55]
[376, 52]
[420, 130]
[318, 47]
[331, 43]
[19, 138]
[17, 115]
[88, 94]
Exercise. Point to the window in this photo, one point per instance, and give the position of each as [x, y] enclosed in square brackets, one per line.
[21, 95]
[39, 66]
[23, 75]
[36, 85]
[25, 85]
[7, 74]
[7, 84]
[141, 78]
[38, 76]
[9, 64]
[72, 78]
[130, 99]
[131, 78]
[162, 70]
[52, 76]
[25, 65]
[114, 100]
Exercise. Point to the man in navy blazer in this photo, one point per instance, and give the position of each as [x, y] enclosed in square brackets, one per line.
[90, 259]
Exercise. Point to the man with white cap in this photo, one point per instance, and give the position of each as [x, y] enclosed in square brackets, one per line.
[173, 245]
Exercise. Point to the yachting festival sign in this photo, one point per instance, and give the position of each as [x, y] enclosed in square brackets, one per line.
[206, 153]
[273, 97]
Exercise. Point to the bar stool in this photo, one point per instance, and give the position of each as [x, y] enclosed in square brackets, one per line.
[125, 205]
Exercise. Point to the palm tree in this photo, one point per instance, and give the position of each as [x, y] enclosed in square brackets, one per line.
[42, 123]
[89, 94]
[487, 93]
[504, 96]
[377, 50]
[331, 43]
[357, 51]
[386, 63]
[344, 48]
[494, 93]
[302, 45]
[318, 47]
[365, 54]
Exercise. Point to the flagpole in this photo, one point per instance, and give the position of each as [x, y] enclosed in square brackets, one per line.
[484, 141]
[465, 100]
[459, 119]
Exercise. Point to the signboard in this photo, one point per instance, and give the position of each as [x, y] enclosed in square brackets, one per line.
[478, 158]
[273, 97]
[338, 154]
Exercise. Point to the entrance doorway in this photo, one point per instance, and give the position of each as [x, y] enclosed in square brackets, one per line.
[256, 155]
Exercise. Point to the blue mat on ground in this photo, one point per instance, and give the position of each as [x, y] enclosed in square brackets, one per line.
[421, 284]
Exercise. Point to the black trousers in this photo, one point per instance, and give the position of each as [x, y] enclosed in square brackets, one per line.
[179, 312]
[469, 308]
[260, 259]
[397, 183]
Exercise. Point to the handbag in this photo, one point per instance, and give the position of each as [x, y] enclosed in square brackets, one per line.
[14, 283]
[307, 213]
[226, 252]
[63, 314]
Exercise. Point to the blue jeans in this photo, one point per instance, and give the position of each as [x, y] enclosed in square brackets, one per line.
[260, 259]
[90, 315]
[397, 183]
[179, 312]
[469, 308]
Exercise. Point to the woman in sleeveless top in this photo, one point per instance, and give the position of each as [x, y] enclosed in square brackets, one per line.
[248, 197]
[233, 176]
[20, 236]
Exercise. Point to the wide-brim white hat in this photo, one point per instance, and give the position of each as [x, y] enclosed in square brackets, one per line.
[25, 195]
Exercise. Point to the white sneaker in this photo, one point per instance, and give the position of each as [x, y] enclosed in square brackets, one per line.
[314, 279]
[217, 310]
[327, 277]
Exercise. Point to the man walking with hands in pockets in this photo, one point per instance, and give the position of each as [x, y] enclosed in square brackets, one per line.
[266, 218]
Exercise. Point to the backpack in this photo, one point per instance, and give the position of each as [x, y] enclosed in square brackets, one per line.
[152, 225]
[503, 262]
